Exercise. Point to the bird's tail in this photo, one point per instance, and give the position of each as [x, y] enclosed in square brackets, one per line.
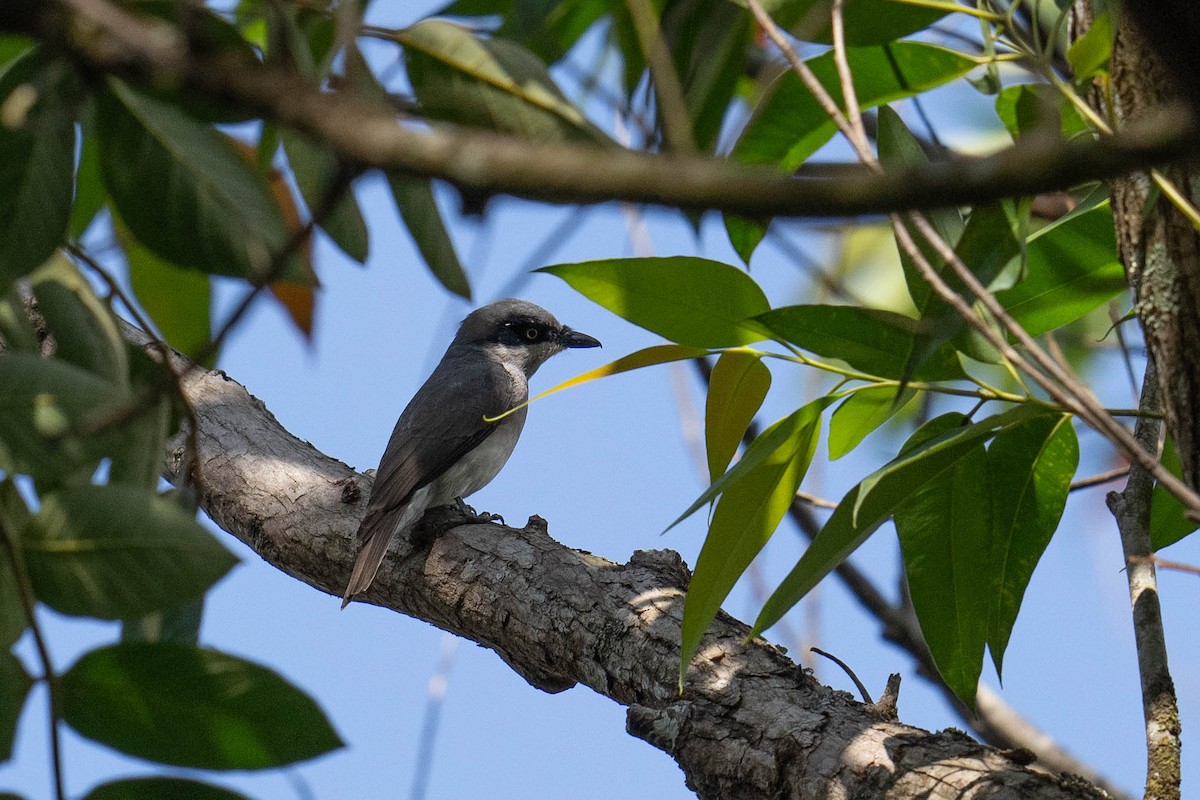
[367, 564]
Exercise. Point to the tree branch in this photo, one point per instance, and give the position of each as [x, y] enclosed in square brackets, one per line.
[105, 39]
[750, 723]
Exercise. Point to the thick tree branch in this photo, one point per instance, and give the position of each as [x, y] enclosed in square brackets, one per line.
[105, 39]
[750, 723]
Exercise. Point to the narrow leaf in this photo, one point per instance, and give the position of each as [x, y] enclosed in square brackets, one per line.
[867, 22]
[745, 517]
[1030, 470]
[192, 707]
[736, 388]
[419, 211]
[117, 552]
[83, 327]
[860, 414]
[1168, 518]
[692, 301]
[877, 342]
[871, 503]
[646, 357]
[945, 536]
[315, 168]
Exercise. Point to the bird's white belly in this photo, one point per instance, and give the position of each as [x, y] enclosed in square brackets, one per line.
[477, 468]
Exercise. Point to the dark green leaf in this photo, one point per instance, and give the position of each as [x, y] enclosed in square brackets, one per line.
[736, 389]
[790, 125]
[185, 192]
[877, 342]
[489, 83]
[1072, 269]
[688, 300]
[14, 688]
[417, 207]
[1030, 469]
[869, 504]
[14, 515]
[1168, 517]
[192, 707]
[161, 788]
[37, 162]
[315, 168]
[547, 27]
[862, 413]
[117, 552]
[84, 330]
[42, 398]
[179, 626]
[945, 538]
[745, 517]
[90, 195]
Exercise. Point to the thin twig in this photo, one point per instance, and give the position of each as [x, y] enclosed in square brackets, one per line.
[862, 690]
[1100, 479]
[25, 593]
[1162, 563]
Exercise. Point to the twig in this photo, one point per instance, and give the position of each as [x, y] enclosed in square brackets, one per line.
[1099, 479]
[862, 690]
[1163, 563]
[1131, 508]
[25, 592]
[676, 121]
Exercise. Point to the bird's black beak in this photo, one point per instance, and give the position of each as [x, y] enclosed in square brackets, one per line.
[570, 338]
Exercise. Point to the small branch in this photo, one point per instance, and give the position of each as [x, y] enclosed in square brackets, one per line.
[1131, 508]
[25, 592]
[1099, 479]
[858, 684]
[1177, 566]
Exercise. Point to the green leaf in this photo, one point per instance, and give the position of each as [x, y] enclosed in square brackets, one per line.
[1072, 269]
[315, 168]
[90, 195]
[547, 27]
[415, 202]
[745, 517]
[692, 301]
[945, 536]
[489, 83]
[790, 125]
[1030, 469]
[192, 707]
[14, 688]
[161, 788]
[763, 447]
[84, 330]
[40, 400]
[14, 515]
[178, 300]
[117, 552]
[1089, 53]
[876, 342]
[862, 413]
[869, 504]
[646, 357]
[1168, 517]
[1030, 107]
[37, 162]
[185, 192]
[736, 388]
[866, 21]
[745, 235]
[179, 626]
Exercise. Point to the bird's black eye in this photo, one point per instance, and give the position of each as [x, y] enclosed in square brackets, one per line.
[532, 334]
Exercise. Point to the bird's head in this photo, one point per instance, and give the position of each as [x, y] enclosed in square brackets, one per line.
[520, 332]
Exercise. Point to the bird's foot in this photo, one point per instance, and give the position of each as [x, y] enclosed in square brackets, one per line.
[476, 516]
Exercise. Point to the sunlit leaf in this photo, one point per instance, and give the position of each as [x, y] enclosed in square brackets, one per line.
[736, 388]
[744, 519]
[489, 83]
[791, 125]
[876, 342]
[1089, 53]
[1029, 107]
[192, 707]
[117, 552]
[689, 300]
[860, 414]
[1072, 269]
[1030, 469]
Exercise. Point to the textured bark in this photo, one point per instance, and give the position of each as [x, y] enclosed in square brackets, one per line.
[750, 723]
[1158, 245]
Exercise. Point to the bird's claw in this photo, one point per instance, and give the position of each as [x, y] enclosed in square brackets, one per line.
[477, 516]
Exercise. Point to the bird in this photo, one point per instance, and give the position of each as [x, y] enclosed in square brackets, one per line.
[442, 448]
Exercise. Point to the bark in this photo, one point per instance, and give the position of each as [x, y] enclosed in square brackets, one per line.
[749, 723]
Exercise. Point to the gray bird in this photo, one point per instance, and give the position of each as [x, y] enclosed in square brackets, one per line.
[442, 449]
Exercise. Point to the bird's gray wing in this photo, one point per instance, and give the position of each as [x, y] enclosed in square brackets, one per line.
[442, 423]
